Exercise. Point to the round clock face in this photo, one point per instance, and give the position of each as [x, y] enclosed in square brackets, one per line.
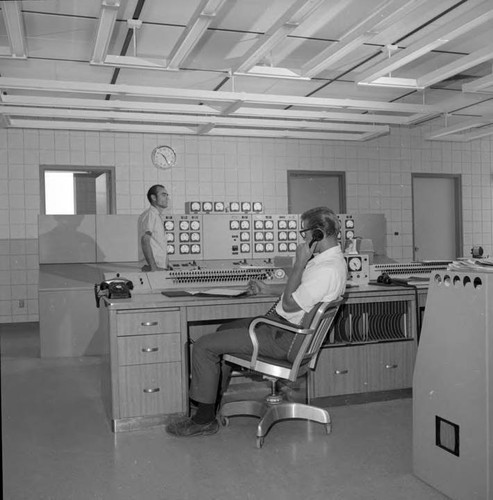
[163, 157]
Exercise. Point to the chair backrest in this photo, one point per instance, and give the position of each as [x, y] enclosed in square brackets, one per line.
[319, 320]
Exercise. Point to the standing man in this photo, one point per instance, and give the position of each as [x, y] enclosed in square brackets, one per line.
[318, 275]
[152, 236]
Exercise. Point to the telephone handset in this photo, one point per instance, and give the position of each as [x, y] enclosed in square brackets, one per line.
[115, 288]
[317, 235]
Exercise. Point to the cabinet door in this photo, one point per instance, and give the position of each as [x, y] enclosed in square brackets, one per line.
[340, 370]
[150, 389]
[390, 365]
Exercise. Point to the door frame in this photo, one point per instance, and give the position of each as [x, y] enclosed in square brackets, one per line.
[457, 178]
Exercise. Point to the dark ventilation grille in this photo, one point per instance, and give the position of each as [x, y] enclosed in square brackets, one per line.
[447, 435]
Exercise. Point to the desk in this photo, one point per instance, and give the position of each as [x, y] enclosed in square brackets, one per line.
[148, 368]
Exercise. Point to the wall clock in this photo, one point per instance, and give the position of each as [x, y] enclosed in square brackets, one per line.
[163, 157]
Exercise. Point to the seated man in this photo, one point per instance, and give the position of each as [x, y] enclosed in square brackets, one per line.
[312, 280]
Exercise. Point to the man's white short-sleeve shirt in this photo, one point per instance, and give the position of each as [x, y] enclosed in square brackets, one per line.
[150, 221]
[323, 280]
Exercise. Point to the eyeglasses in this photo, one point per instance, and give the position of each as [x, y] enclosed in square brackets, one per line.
[303, 231]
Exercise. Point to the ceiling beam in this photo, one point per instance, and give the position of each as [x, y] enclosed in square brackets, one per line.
[196, 27]
[352, 39]
[106, 25]
[456, 67]
[209, 96]
[203, 121]
[204, 110]
[164, 129]
[14, 23]
[466, 19]
[286, 24]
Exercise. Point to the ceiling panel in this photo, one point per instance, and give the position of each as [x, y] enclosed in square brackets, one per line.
[191, 56]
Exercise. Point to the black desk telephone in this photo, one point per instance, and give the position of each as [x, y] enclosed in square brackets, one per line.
[115, 288]
[317, 235]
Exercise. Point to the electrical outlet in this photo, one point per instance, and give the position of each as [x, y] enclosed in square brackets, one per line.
[21, 303]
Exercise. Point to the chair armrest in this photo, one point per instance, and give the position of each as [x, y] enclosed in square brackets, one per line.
[268, 321]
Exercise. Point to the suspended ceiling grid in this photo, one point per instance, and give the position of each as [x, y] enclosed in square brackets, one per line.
[308, 69]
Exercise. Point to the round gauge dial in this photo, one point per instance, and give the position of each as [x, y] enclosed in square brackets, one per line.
[279, 273]
[219, 206]
[170, 237]
[170, 249]
[184, 249]
[283, 247]
[354, 264]
[163, 157]
[169, 225]
[349, 223]
[245, 224]
[259, 247]
[184, 225]
[292, 235]
[195, 206]
[257, 206]
[245, 236]
[259, 224]
[292, 224]
[234, 206]
[283, 235]
[246, 206]
[245, 248]
[184, 237]
[269, 247]
[349, 235]
[195, 225]
[207, 206]
[195, 248]
[269, 224]
[259, 236]
[234, 224]
[269, 235]
[195, 237]
[282, 224]
[292, 247]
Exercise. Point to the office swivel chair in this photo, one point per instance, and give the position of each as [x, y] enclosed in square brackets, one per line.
[310, 336]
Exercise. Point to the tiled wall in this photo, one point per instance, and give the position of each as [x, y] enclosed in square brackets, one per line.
[378, 180]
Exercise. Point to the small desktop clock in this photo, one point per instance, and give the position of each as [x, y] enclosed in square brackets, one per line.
[163, 157]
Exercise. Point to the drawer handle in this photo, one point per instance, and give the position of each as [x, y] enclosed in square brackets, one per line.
[150, 391]
[341, 372]
[149, 323]
[150, 349]
[391, 367]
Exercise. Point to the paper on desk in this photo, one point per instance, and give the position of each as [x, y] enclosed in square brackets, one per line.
[223, 292]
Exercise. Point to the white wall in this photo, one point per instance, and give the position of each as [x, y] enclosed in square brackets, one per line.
[378, 180]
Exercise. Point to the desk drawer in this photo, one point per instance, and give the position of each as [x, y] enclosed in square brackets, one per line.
[144, 322]
[150, 389]
[145, 349]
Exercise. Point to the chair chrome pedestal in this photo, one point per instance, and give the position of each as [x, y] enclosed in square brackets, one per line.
[271, 410]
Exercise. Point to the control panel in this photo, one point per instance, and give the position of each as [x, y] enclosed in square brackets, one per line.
[184, 235]
[358, 268]
[275, 235]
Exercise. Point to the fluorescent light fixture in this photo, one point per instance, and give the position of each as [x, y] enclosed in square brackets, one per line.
[131, 62]
[390, 81]
[12, 17]
[107, 18]
[198, 24]
[273, 72]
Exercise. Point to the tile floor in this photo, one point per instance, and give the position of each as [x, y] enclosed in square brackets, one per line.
[58, 445]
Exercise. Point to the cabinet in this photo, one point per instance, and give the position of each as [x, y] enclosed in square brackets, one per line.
[146, 366]
[371, 348]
